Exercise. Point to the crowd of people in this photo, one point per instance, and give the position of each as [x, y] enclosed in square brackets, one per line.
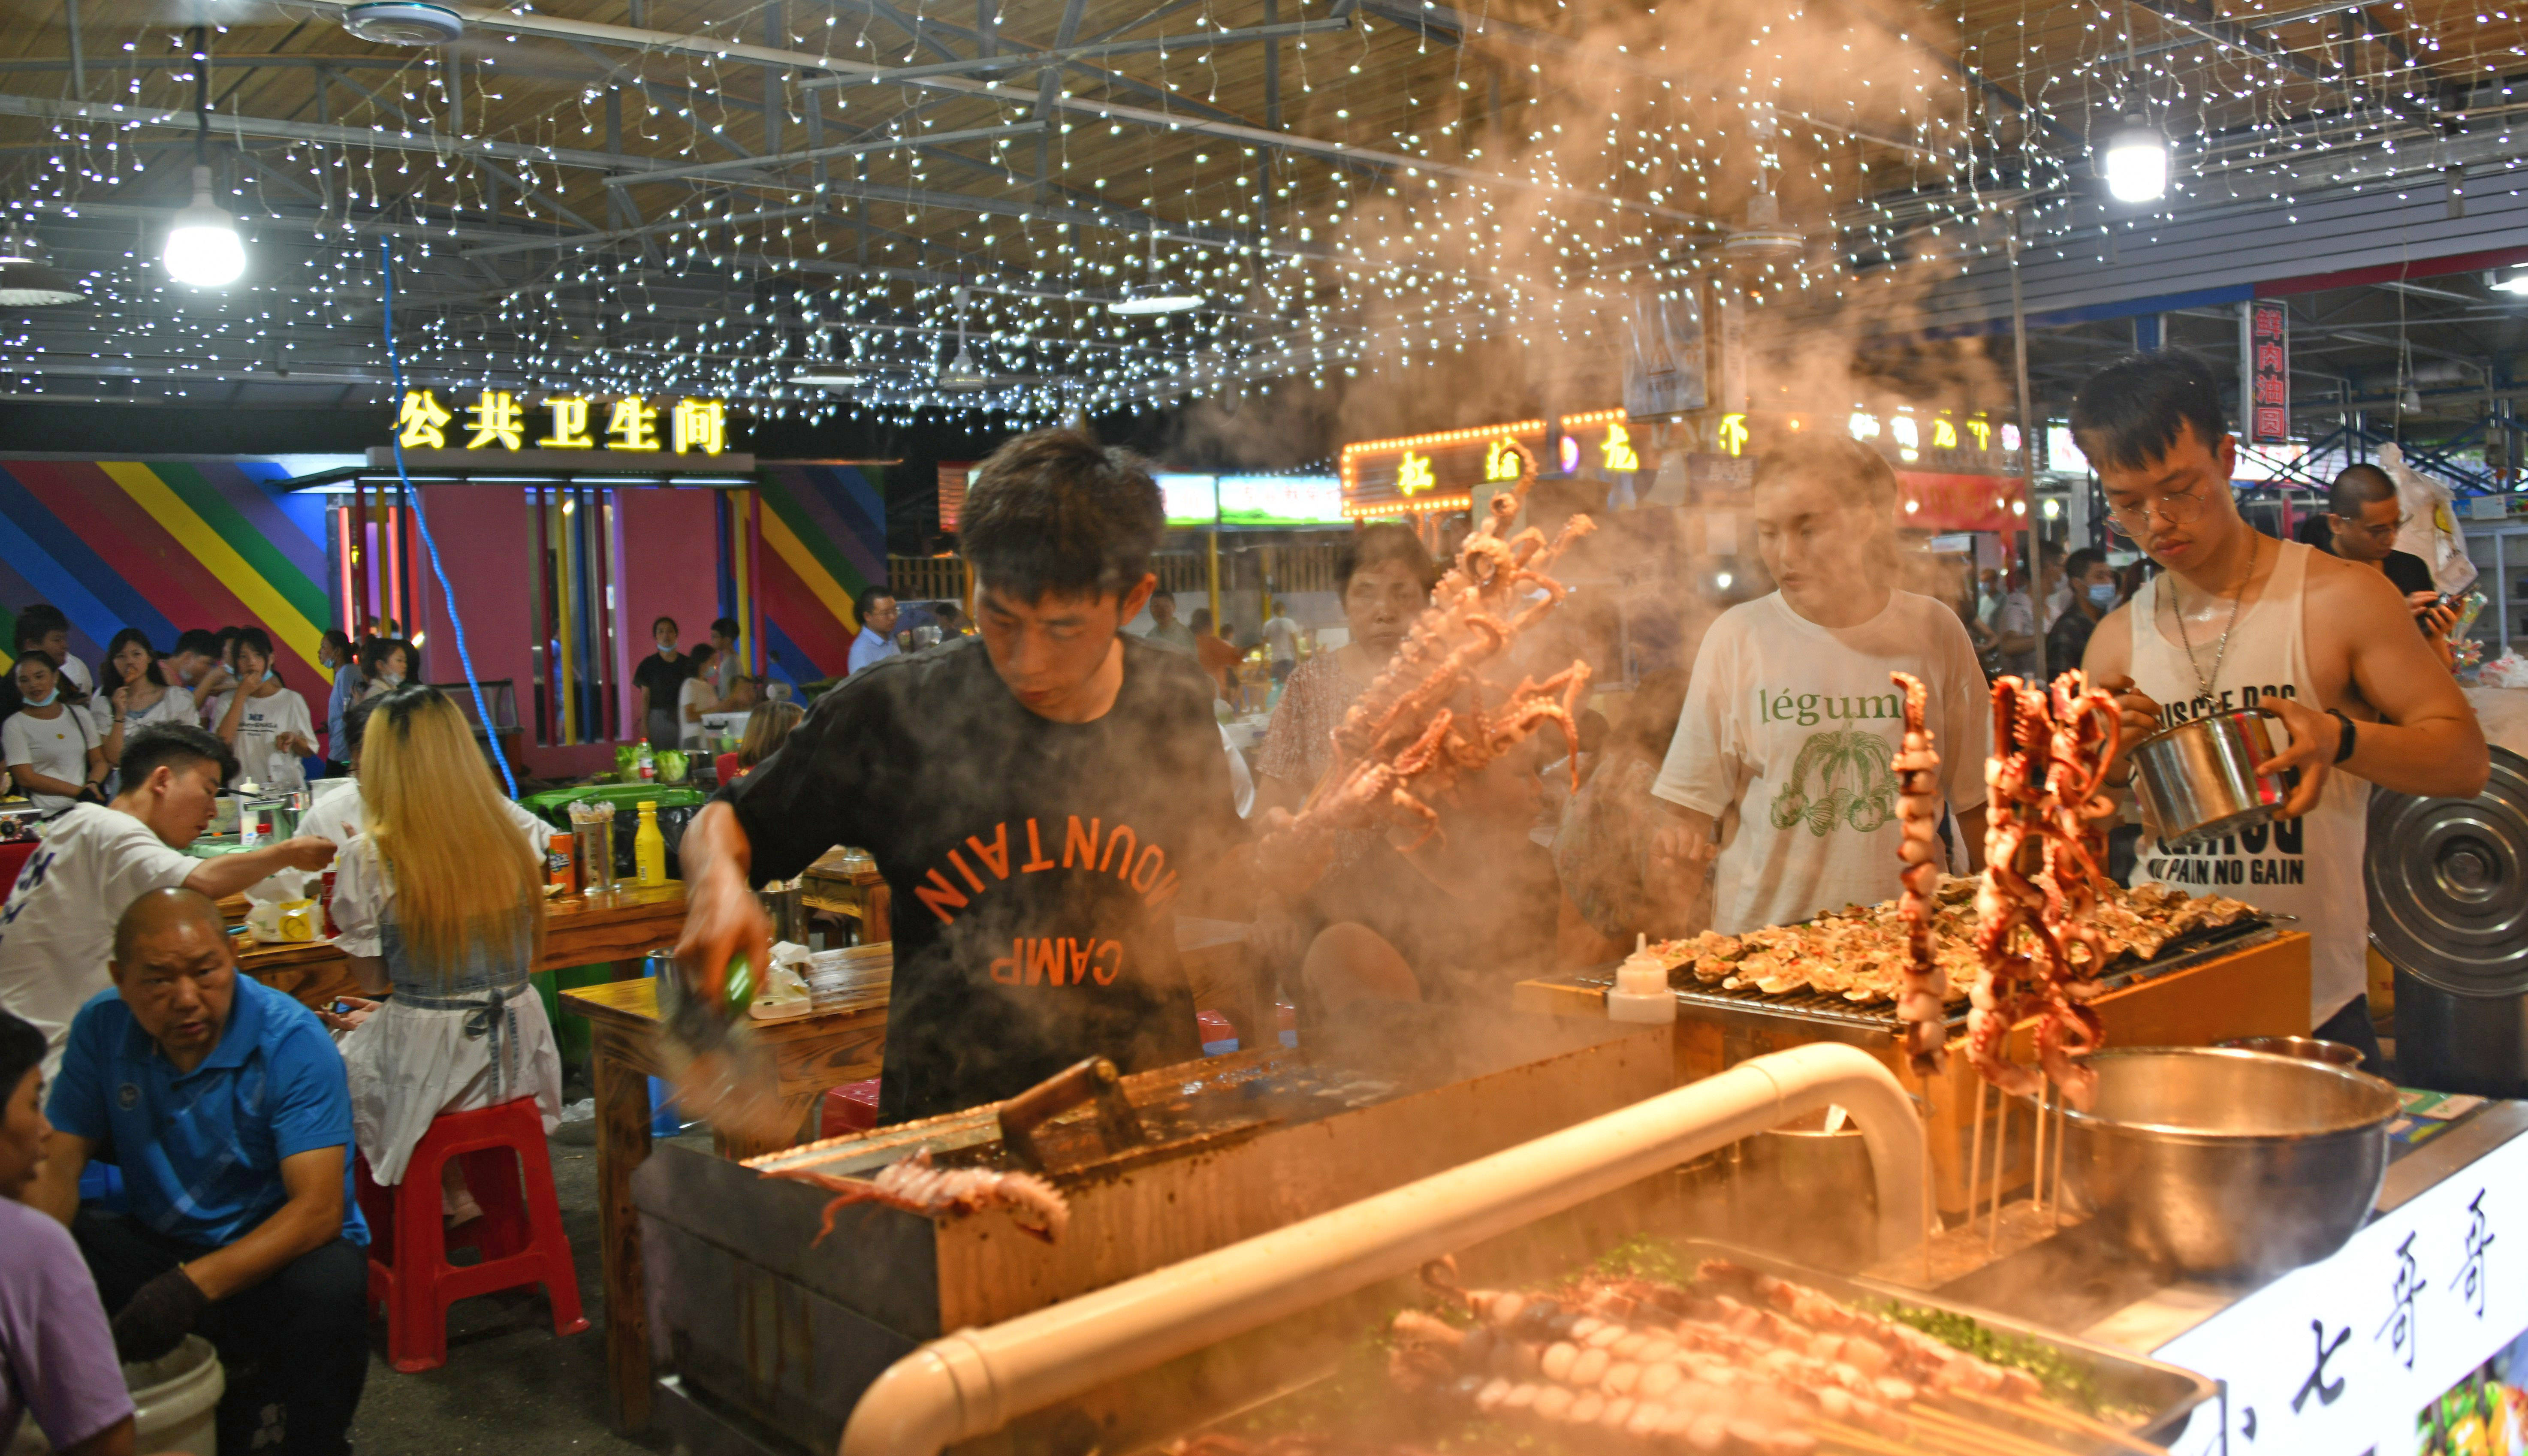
[232, 1117]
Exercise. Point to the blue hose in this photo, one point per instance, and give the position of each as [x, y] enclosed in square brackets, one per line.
[464, 658]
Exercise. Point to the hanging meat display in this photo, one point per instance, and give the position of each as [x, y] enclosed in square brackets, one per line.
[2044, 860]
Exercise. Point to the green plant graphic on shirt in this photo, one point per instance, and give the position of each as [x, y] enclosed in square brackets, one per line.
[1855, 783]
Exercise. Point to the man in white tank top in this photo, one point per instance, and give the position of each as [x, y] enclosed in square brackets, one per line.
[2239, 618]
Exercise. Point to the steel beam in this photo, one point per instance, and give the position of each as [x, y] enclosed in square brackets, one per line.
[824, 153]
[1030, 60]
[272, 129]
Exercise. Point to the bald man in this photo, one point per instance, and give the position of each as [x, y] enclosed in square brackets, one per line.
[226, 1104]
[2363, 508]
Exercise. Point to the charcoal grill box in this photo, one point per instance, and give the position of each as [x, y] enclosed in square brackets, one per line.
[2253, 983]
[771, 1334]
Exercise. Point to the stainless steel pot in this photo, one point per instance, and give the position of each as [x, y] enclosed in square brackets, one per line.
[2307, 1048]
[2228, 1164]
[2199, 780]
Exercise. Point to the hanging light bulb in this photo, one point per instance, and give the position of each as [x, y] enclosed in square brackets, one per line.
[204, 248]
[2134, 162]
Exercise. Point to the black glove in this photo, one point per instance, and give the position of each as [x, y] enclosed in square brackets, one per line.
[160, 1314]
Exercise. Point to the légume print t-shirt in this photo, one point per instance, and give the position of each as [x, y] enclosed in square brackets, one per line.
[1035, 866]
[1788, 738]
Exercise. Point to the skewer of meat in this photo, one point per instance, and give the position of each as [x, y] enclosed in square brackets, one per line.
[1428, 719]
[1923, 1004]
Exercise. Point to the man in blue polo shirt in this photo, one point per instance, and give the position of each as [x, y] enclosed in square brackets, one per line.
[225, 1106]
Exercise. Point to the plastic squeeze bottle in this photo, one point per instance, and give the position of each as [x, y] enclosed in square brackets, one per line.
[1641, 991]
[650, 846]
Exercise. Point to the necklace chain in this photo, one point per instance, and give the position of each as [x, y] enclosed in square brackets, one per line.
[2221, 654]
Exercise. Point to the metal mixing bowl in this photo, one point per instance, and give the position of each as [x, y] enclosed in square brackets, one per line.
[2306, 1047]
[2228, 1164]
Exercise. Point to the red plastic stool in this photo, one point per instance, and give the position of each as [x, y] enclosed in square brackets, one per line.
[848, 1108]
[519, 1235]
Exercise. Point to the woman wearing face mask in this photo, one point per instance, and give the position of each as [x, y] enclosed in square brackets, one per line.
[334, 655]
[264, 724]
[141, 694]
[385, 662]
[51, 746]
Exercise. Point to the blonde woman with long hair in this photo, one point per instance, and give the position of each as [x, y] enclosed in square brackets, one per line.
[441, 899]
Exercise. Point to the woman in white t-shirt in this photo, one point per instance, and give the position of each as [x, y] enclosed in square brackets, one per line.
[50, 744]
[141, 695]
[694, 698]
[1778, 779]
[441, 899]
[264, 724]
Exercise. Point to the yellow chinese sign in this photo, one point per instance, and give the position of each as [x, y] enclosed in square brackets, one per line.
[497, 420]
[1617, 449]
[1413, 474]
[1500, 461]
[1733, 433]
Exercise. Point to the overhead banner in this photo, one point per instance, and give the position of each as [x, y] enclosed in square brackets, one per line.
[1961, 502]
[2264, 363]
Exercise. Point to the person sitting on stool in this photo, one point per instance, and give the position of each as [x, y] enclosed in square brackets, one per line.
[227, 1105]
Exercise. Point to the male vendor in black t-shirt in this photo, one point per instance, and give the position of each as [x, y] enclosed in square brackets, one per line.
[1036, 797]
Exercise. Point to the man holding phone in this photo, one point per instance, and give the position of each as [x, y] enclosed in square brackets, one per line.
[2239, 620]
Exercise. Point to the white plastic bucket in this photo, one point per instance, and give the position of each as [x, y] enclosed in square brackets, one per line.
[176, 1402]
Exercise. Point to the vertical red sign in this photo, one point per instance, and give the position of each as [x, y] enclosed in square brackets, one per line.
[2265, 369]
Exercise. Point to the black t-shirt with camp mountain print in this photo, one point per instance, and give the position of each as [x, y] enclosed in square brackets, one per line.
[1034, 864]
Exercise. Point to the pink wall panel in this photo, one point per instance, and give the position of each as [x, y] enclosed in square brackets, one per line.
[671, 567]
[486, 542]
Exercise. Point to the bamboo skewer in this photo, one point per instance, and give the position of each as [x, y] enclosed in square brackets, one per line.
[1853, 1438]
[1931, 1204]
[2055, 1415]
[2036, 1176]
[2000, 1151]
[2062, 1134]
[1975, 1153]
[1987, 1439]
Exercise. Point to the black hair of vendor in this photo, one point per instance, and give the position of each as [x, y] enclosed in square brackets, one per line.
[2129, 413]
[1056, 512]
[21, 1050]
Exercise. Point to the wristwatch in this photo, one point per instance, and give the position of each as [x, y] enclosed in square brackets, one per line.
[2344, 745]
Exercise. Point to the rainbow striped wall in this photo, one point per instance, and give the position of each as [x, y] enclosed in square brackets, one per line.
[819, 536]
[163, 546]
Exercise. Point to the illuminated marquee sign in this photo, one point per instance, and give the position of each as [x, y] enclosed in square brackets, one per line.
[1442, 471]
[1941, 444]
[497, 421]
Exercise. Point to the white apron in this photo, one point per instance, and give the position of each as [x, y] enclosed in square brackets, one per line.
[2309, 868]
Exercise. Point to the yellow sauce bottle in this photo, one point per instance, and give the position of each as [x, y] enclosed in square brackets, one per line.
[650, 846]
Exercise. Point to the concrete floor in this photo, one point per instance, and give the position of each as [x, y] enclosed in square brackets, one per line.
[510, 1387]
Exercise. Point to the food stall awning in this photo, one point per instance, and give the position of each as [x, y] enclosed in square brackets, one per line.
[727, 469]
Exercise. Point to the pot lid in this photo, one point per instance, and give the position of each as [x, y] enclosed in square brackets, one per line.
[2448, 884]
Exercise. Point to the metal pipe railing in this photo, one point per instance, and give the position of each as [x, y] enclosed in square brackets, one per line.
[974, 1381]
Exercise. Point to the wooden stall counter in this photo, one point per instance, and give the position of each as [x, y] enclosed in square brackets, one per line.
[2261, 989]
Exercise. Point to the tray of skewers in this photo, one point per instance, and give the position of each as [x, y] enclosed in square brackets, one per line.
[1689, 1346]
[1858, 952]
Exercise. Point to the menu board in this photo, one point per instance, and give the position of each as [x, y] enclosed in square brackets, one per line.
[1193, 500]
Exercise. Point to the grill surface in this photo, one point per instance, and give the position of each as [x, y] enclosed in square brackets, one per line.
[1745, 1004]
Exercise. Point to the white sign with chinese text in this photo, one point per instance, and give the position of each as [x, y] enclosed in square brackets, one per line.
[2338, 1358]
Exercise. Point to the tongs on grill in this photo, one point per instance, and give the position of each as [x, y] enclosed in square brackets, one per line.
[1093, 1080]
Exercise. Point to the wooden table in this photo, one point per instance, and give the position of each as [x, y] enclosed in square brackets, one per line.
[617, 927]
[823, 1049]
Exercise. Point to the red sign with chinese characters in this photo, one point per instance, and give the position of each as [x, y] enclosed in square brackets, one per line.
[2265, 341]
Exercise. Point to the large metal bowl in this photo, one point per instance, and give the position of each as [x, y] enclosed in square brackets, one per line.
[2227, 1164]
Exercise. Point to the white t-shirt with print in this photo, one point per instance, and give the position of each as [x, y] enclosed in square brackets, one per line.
[55, 747]
[258, 735]
[1787, 736]
[57, 929]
